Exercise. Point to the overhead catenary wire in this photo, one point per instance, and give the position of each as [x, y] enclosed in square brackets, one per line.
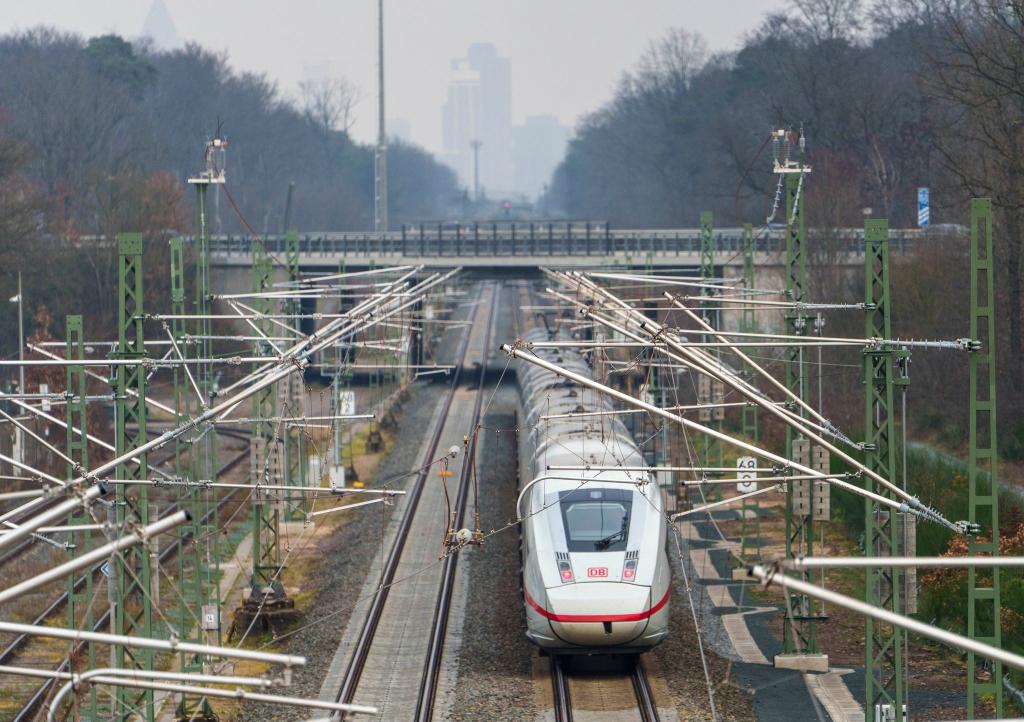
[269, 376]
[770, 576]
[715, 370]
[763, 453]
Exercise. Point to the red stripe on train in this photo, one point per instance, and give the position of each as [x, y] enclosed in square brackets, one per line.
[596, 617]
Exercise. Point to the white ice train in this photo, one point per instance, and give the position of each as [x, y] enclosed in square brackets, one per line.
[596, 577]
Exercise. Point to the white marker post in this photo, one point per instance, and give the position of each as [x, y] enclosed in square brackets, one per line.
[746, 468]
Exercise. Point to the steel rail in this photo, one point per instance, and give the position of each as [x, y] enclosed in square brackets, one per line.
[560, 691]
[431, 669]
[373, 616]
[644, 696]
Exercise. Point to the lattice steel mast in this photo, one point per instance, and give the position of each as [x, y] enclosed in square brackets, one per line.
[79, 599]
[802, 506]
[884, 681]
[984, 605]
[197, 592]
[292, 389]
[133, 612]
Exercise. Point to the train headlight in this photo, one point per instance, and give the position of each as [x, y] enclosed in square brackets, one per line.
[629, 570]
[565, 571]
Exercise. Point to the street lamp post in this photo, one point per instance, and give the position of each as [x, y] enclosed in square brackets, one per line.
[19, 437]
[476, 169]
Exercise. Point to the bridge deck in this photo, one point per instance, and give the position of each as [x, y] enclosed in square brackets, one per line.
[513, 245]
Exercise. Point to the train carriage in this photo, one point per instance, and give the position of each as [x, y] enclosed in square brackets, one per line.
[596, 577]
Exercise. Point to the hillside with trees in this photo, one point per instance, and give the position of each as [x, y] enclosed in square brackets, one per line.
[891, 96]
[99, 136]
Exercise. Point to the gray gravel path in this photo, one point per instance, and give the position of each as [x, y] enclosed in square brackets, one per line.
[495, 662]
[345, 556]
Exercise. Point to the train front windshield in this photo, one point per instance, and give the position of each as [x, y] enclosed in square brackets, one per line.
[596, 520]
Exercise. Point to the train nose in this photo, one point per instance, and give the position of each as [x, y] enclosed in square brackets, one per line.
[599, 613]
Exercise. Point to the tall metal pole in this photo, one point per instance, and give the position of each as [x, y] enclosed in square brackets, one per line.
[19, 435]
[203, 451]
[476, 169]
[267, 601]
[195, 591]
[751, 507]
[266, 452]
[132, 571]
[748, 320]
[288, 207]
[380, 215]
[710, 391]
[21, 337]
[884, 681]
[799, 625]
[80, 608]
[984, 604]
[294, 438]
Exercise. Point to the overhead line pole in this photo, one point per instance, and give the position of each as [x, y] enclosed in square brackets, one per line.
[293, 392]
[267, 596]
[984, 604]
[194, 588]
[79, 600]
[884, 680]
[750, 512]
[710, 390]
[133, 610]
[799, 636]
[380, 216]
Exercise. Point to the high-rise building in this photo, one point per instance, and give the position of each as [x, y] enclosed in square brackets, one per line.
[460, 122]
[538, 147]
[160, 27]
[479, 108]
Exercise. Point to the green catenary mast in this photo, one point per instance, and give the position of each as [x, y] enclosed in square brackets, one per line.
[884, 683]
[80, 610]
[799, 635]
[133, 612]
[195, 592]
[983, 589]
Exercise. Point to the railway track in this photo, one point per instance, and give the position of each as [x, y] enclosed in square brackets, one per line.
[411, 625]
[166, 554]
[597, 688]
[593, 694]
[431, 671]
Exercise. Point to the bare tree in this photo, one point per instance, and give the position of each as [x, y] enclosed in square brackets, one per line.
[980, 76]
[328, 104]
[825, 20]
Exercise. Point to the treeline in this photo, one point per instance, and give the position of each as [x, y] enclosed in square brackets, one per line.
[99, 136]
[688, 131]
[890, 96]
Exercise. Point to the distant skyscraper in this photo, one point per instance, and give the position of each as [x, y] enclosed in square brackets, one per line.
[160, 27]
[479, 108]
[538, 147]
[460, 122]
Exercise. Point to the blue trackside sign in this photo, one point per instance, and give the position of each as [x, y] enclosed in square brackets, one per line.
[922, 208]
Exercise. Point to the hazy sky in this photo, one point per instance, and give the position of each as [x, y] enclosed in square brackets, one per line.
[566, 54]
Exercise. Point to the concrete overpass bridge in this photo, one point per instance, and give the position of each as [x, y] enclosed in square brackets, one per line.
[506, 248]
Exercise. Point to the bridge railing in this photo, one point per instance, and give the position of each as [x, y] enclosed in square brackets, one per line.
[543, 239]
